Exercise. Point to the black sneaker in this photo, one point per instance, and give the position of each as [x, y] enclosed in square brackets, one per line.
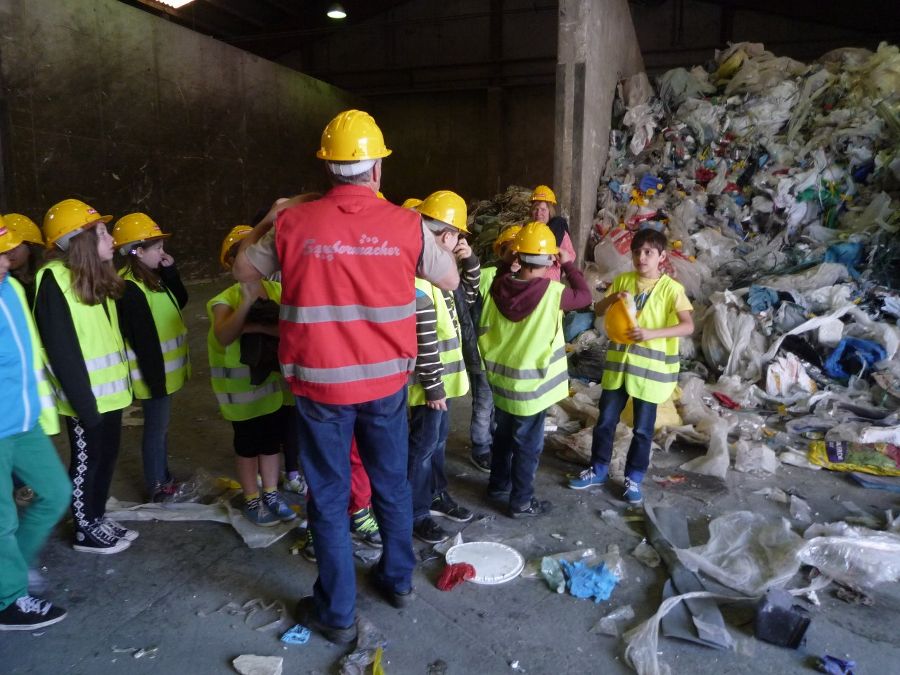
[309, 549]
[30, 613]
[364, 527]
[307, 615]
[535, 508]
[429, 531]
[98, 538]
[444, 505]
[481, 462]
[396, 599]
[120, 530]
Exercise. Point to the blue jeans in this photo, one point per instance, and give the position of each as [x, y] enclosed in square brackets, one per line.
[382, 435]
[515, 454]
[428, 430]
[154, 445]
[483, 423]
[612, 402]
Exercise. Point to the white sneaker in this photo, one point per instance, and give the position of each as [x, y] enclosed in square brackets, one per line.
[297, 485]
[99, 538]
[120, 530]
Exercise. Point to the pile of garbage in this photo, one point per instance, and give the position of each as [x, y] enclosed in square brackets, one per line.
[778, 186]
[489, 217]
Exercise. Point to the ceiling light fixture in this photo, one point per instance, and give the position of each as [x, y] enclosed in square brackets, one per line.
[174, 3]
[336, 11]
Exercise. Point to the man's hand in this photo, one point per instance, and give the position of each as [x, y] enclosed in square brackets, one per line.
[462, 250]
[440, 404]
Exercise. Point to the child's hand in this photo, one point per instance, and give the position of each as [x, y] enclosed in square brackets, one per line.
[250, 291]
[564, 256]
[440, 404]
[165, 260]
[462, 250]
[640, 334]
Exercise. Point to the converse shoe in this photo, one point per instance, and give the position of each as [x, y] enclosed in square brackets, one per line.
[309, 549]
[588, 478]
[297, 485]
[444, 505]
[429, 531]
[535, 508]
[258, 514]
[481, 462]
[364, 527]
[275, 504]
[632, 493]
[97, 537]
[30, 613]
[120, 530]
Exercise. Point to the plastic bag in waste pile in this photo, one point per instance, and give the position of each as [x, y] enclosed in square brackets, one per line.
[881, 459]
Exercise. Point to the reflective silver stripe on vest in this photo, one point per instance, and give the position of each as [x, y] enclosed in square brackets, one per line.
[448, 345]
[229, 373]
[345, 374]
[637, 371]
[168, 367]
[532, 395]
[47, 402]
[173, 344]
[449, 369]
[342, 313]
[109, 388]
[637, 350]
[249, 396]
[524, 373]
[102, 362]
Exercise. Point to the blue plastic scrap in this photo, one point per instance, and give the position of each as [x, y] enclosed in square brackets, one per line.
[296, 635]
[761, 299]
[583, 581]
[853, 356]
[651, 182]
[849, 254]
[835, 666]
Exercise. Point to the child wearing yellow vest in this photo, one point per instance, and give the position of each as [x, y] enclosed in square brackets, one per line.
[440, 372]
[645, 369]
[259, 412]
[155, 339]
[523, 352]
[76, 315]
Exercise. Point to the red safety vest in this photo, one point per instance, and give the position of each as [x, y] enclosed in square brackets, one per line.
[348, 308]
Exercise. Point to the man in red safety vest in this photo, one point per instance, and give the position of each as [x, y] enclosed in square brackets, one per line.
[348, 343]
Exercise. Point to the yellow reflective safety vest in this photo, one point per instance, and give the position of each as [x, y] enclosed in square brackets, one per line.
[525, 361]
[648, 370]
[238, 399]
[172, 341]
[488, 274]
[48, 418]
[102, 346]
[455, 378]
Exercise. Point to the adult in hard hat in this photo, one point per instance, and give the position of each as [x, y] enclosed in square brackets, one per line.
[521, 343]
[76, 314]
[28, 415]
[25, 258]
[156, 337]
[348, 344]
[543, 210]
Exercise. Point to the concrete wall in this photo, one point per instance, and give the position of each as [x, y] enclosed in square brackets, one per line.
[130, 112]
[597, 48]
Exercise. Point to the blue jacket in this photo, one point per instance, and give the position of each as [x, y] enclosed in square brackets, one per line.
[18, 381]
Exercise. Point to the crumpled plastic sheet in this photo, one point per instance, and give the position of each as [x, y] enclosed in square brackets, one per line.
[754, 458]
[611, 623]
[370, 644]
[250, 609]
[852, 555]
[584, 581]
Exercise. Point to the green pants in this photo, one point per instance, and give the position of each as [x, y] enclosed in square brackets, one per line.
[32, 457]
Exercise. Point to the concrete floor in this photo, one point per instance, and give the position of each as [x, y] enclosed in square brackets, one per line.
[153, 595]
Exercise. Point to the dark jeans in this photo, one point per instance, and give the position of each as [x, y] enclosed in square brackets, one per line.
[515, 454]
[428, 430]
[382, 435]
[154, 446]
[292, 440]
[94, 454]
[483, 423]
[612, 402]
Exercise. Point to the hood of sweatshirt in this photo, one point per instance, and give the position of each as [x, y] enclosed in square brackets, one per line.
[517, 299]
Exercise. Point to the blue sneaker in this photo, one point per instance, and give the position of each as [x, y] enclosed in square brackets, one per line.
[258, 514]
[588, 478]
[633, 493]
[275, 504]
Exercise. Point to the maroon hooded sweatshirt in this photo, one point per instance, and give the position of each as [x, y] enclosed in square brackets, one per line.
[516, 299]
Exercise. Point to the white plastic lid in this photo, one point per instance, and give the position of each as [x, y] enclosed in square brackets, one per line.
[494, 563]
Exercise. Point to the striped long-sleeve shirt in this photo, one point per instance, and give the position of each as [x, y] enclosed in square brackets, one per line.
[429, 369]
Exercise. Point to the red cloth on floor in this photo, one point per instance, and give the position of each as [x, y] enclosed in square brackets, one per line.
[454, 575]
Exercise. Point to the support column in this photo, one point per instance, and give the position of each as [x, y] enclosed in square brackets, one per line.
[597, 48]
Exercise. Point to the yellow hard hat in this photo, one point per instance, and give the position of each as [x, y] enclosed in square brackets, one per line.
[411, 203]
[25, 227]
[543, 193]
[380, 195]
[69, 216]
[536, 239]
[352, 136]
[620, 317]
[135, 228]
[9, 238]
[506, 236]
[237, 233]
[447, 207]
